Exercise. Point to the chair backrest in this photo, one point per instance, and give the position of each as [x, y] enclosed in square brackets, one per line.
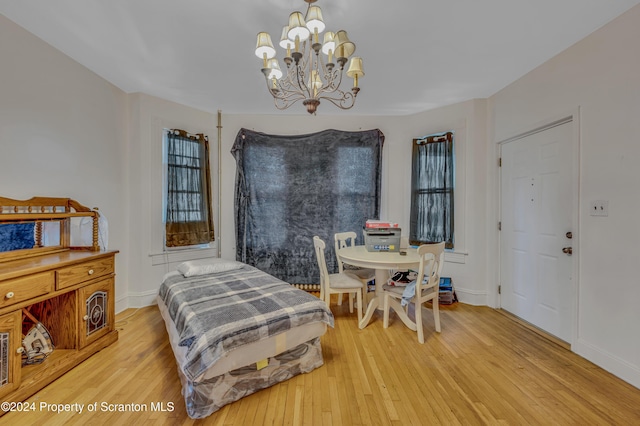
[438, 251]
[319, 247]
[431, 263]
[342, 240]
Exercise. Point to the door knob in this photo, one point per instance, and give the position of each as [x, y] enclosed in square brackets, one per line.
[568, 250]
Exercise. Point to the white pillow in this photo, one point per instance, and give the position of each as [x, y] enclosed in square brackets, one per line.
[193, 268]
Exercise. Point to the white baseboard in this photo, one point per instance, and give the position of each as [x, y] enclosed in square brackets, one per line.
[609, 362]
[470, 297]
[136, 300]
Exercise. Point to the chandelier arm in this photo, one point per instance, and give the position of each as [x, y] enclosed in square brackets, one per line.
[347, 100]
[286, 96]
[332, 86]
[300, 72]
[281, 105]
[286, 85]
[278, 92]
[300, 80]
[330, 77]
[289, 88]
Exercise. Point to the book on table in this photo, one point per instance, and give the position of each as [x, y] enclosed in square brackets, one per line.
[375, 224]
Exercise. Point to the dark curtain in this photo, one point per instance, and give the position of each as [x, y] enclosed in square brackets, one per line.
[188, 217]
[290, 188]
[432, 175]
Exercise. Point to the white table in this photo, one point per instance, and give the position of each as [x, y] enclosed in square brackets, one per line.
[382, 262]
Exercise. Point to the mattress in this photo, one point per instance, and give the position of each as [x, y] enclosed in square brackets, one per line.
[237, 332]
[250, 353]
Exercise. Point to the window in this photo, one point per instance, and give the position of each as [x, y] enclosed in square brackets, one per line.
[188, 218]
[432, 186]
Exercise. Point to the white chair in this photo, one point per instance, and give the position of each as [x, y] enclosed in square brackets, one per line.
[348, 239]
[342, 282]
[427, 288]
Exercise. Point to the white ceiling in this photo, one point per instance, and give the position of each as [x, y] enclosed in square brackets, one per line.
[418, 54]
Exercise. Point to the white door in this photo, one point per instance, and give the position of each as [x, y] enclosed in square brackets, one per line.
[536, 215]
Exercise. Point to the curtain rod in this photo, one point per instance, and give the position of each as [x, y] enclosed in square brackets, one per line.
[186, 134]
[219, 182]
[437, 137]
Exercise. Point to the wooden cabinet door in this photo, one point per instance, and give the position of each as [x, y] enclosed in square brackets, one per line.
[96, 311]
[10, 354]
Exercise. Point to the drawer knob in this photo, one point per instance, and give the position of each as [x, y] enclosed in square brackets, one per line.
[9, 295]
[86, 317]
[20, 350]
[90, 271]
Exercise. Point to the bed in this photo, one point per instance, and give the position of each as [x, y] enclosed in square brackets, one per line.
[235, 330]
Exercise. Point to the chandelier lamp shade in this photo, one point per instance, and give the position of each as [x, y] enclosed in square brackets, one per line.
[311, 73]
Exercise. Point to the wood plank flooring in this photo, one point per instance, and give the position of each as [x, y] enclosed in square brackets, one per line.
[483, 369]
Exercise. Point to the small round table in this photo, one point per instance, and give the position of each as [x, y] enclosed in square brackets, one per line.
[382, 262]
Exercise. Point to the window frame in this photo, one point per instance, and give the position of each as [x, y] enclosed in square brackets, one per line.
[205, 187]
[448, 221]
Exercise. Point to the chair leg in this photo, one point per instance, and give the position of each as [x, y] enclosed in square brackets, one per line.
[327, 298]
[350, 297]
[359, 301]
[436, 313]
[339, 299]
[419, 328]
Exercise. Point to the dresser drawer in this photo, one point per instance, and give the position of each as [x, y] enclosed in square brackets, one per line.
[25, 288]
[85, 271]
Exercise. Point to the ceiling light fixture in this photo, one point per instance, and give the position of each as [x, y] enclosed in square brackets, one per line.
[309, 78]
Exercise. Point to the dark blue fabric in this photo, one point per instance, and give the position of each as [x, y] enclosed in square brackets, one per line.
[16, 236]
[290, 188]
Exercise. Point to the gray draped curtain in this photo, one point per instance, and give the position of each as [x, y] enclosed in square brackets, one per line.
[290, 188]
[432, 182]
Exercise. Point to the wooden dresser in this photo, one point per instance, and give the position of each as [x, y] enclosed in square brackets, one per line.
[69, 290]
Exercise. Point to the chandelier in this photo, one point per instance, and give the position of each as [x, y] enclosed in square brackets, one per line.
[310, 77]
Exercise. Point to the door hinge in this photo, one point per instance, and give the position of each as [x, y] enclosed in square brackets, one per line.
[499, 226]
[499, 289]
[500, 162]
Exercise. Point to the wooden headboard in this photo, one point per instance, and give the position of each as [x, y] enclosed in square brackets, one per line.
[42, 209]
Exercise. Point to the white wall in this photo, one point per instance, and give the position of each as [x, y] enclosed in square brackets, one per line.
[600, 76]
[148, 117]
[63, 134]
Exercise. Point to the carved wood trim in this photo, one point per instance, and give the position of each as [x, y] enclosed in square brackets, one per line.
[40, 209]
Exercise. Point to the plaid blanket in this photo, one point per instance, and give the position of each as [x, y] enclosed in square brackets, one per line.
[219, 312]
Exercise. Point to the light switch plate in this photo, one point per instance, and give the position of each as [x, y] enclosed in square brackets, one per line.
[599, 208]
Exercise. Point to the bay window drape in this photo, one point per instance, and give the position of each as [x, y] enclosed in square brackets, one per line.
[290, 188]
[189, 220]
[432, 186]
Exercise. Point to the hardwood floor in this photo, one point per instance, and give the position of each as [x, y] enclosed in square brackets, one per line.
[484, 368]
